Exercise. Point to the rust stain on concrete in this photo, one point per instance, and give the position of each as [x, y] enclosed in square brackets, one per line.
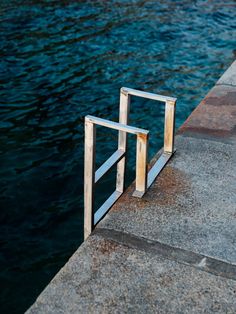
[103, 249]
[128, 202]
[106, 247]
[169, 186]
[165, 191]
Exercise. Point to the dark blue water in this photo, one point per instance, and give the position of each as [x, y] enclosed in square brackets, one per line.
[61, 60]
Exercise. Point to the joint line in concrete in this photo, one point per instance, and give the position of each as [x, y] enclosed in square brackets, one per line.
[196, 260]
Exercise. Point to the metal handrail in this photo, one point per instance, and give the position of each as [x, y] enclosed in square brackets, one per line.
[91, 177]
[143, 178]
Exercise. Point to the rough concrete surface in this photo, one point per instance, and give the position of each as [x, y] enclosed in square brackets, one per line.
[174, 250]
[106, 277]
[191, 205]
[229, 77]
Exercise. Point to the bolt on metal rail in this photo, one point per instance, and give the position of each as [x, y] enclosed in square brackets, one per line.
[144, 179]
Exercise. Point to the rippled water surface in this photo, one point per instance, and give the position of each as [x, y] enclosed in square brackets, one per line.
[61, 60]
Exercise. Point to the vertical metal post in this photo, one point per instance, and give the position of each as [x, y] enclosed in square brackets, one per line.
[141, 164]
[89, 172]
[169, 127]
[122, 141]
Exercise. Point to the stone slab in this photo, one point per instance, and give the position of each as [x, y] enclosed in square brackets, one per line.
[106, 277]
[191, 205]
[229, 77]
[215, 117]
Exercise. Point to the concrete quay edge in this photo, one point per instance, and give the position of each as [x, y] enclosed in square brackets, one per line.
[173, 251]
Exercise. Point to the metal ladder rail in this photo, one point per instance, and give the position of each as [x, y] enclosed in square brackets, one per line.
[143, 179]
[169, 127]
[91, 177]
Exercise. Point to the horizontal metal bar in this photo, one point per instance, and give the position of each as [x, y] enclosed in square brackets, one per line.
[157, 167]
[108, 164]
[139, 93]
[115, 125]
[106, 206]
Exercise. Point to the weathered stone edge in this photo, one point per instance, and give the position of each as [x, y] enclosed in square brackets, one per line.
[229, 77]
[203, 122]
